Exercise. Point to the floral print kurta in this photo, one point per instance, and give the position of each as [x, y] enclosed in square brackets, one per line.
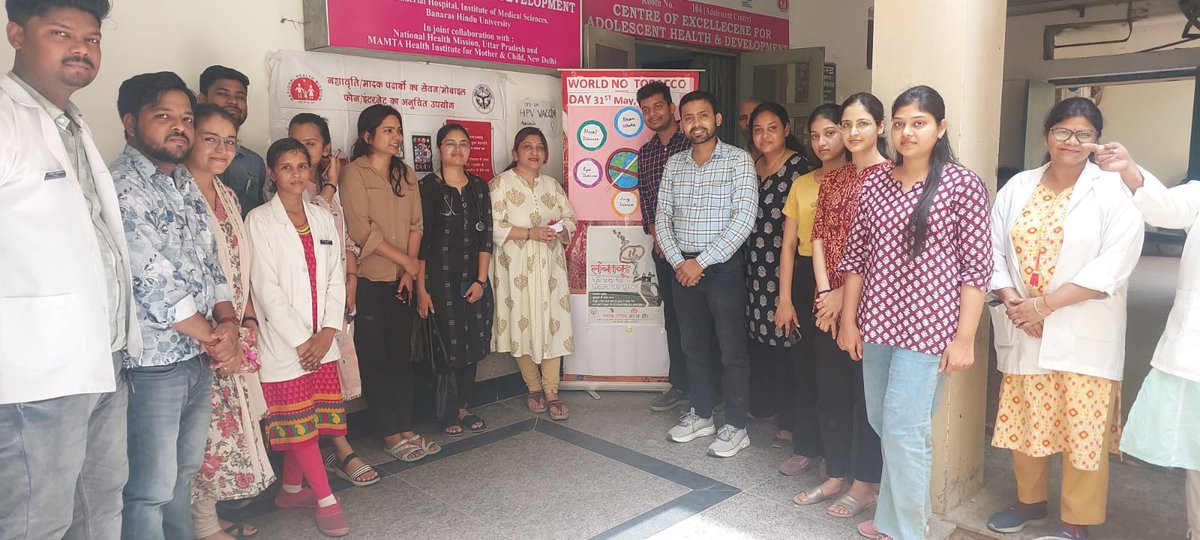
[235, 462]
[533, 301]
[1044, 414]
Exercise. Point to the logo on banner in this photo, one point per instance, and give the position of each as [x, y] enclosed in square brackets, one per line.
[483, 98]
[304, 88]
[783, 5]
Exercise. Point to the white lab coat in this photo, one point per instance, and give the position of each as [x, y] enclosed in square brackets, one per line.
[281, 290]
[54, 312]
[1102, 241]
[1178, 351]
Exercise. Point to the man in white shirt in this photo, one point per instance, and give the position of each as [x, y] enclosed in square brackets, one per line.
[65, 289]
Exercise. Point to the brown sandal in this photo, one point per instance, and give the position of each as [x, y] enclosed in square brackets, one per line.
[536, 402]
[562, 413]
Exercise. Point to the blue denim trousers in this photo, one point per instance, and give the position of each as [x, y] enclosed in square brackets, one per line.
[902, 389]
[170, 410]
[62, 466]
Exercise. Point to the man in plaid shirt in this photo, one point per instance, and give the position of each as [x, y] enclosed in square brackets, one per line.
[707, 203]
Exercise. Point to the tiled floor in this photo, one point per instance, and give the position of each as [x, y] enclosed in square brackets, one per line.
[610, 473]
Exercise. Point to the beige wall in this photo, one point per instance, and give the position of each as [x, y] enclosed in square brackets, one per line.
[153, 35]
[1152, 121]
[841, 28]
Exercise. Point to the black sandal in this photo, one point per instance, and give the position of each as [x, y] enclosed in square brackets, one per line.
[451, 425]
[238, 530]
[470, 420]
[332, 465]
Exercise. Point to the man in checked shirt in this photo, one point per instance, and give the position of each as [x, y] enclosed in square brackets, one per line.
[707, 201]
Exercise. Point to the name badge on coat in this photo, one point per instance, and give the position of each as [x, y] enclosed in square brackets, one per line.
[55, 175]
[326, 242]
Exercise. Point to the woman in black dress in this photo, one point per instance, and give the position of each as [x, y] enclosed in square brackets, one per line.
[456, 251]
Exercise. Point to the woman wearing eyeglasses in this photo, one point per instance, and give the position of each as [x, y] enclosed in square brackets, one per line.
[456, 252]
[235, 461]
[1065, 239]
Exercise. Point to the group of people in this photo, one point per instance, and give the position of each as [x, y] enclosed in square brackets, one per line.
[835, 288]
[206, 304]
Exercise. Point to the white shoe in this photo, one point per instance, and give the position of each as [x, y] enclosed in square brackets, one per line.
[729, 441]
[691, 426]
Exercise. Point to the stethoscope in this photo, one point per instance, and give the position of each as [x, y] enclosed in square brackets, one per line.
[450, 210]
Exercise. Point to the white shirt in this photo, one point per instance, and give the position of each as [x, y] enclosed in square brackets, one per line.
[54, 309]
[279, 284]
[1178, 351]
[1102, 241]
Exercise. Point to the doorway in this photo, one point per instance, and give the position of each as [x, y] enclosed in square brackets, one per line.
[718, 74]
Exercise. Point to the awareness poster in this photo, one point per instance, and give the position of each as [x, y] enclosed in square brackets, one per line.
[621, 284]
[603, 131]
[428, 96]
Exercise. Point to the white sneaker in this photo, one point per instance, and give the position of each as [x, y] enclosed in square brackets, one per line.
[691, 426]
[729, 441]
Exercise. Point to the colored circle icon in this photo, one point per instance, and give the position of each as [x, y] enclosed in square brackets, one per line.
[629, 122]
[591, 135]
[625, 203]
[622, 169]
[587, 172]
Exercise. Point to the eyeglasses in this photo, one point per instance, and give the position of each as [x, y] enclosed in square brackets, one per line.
[862, 125]
[451, 145]
[212, 142]
[1064, 134]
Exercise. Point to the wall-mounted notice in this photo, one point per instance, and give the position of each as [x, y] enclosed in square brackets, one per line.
[541, 33]
[741, 25]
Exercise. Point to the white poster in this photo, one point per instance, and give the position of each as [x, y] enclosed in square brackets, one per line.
[427, 96]
[621, 285]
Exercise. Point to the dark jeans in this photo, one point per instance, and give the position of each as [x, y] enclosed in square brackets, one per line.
[851, 446]
[461, 392]
[716, 307]
[383, 334]
[678, 373]
[806, 435]
[62, 466]
[170, 409]
[769, 390]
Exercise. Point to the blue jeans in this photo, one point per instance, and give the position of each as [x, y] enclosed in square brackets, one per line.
[62, 466]
[170, 410]
[902, 389]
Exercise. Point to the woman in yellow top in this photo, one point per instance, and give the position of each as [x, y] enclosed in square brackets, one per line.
[383, 217]
[532, 225]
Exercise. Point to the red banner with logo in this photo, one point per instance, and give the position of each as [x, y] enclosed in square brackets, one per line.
[742, 25]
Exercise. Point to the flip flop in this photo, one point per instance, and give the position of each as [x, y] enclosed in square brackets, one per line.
[536, 402]
[238, 530]
[470, 420]
[852, 505]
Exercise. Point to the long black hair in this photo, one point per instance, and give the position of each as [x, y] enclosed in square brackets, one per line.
[833, 113]
[929, 101]
[874, 107]
[790, 141]
[368, 121]
[525, 133]
[313, 119]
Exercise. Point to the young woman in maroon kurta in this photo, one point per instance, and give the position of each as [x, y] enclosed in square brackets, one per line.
[918, 260]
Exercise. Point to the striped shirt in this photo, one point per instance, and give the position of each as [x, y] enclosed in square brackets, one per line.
[652, 158]
[707, 209]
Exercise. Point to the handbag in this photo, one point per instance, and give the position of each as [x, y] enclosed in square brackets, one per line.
[443, 373]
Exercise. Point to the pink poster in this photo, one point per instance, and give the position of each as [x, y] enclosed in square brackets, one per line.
[604, 129]
[541, 33]
[741, 25]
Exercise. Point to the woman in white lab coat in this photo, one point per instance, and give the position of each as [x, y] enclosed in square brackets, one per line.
[1065, 239]
[1164, 425]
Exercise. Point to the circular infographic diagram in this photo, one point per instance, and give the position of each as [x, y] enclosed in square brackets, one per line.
[622, 169]
[587, 172]
[625, 203]
[629, 122]
[591, 135]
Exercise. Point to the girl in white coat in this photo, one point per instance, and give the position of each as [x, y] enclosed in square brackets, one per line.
[1065, 240]
[299, 290]
[1164, 425]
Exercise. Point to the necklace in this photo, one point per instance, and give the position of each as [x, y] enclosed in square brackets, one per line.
[1043, 235]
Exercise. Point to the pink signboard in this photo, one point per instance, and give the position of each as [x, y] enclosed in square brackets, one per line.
[541, 33]
[742, 25]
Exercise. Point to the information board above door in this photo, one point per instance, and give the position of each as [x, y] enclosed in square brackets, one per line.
[737, 25]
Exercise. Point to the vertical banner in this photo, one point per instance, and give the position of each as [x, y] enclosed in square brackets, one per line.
[428, 96]
[616, 308]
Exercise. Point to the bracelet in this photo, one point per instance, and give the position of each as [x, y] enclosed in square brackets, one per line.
[327, 184]
[824, 292]
[248, 318]
[1039, 312]
[228, 320]
[481, 283]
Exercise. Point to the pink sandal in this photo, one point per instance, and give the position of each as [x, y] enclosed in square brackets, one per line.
[332, 521]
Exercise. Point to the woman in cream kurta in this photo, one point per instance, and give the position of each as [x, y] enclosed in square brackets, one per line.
[532, 225]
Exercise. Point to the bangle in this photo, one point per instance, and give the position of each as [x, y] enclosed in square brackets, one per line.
[482, 283]
[228, 320]
[824, 292]
[327, 184]
[1039, 312]
[247, 319]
